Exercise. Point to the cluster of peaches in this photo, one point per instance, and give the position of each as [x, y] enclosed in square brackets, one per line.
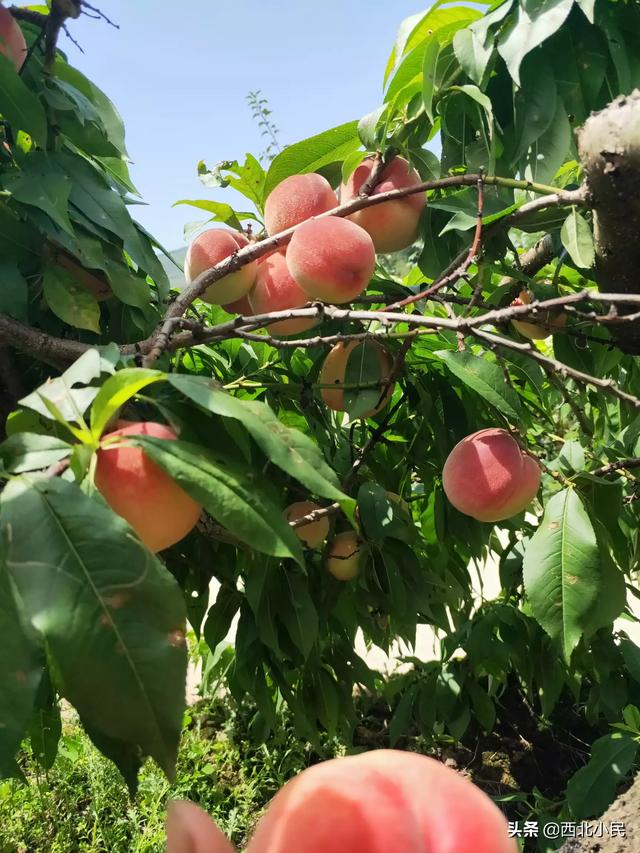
[486, 476]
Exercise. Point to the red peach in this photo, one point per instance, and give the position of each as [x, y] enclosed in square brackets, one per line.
[331, 259]
[12, 43]
[549, 320]
[155, 506]
[488, 476]
[296, 199]
[276, 290]
[210, 248]
[394, 224]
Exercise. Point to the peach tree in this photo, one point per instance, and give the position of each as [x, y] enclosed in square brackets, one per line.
[477, 270]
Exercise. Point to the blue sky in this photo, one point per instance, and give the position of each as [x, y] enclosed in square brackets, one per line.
[179, 74]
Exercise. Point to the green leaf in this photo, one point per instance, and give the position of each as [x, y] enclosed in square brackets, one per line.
[45, 726]
[362, 368]
[483, 706]
[41, 185]
[550, 150]
[220, 615]
[430, 63]
[26, 451]
[298, 612]
[14, 293]
[531, 24]
[592, 789]
[69, 300]
[327, 700]
[484, 378]
[230, 492]
[21, 668]
[562, 569]
[116, 391]
[471, 53]
[313, 153]
[535, 106]
[399, 725]
[20, 106]
[577, 239]
[112, 616]
[221, 212]
[292, 451]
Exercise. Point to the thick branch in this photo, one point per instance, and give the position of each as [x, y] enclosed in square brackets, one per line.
[609, 146]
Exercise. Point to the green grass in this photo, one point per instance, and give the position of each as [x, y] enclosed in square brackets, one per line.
[81, 803]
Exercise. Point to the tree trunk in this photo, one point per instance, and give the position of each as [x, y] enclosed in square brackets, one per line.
[609, 146]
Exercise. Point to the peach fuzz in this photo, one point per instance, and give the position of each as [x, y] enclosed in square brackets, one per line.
[296, 199]
[344, 555]
[276, 290]
[334, 370]
[209, 249]
[314, 534]
[488, 477]
[12, 43]
[153, 504]
[394, 224]
[549, 321]
[332, 259]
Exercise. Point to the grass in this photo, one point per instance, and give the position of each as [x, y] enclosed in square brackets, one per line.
[81, 803]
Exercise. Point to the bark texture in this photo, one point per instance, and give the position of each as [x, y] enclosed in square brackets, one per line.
[609, 147]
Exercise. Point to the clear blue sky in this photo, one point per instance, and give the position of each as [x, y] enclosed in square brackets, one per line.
[179, 74]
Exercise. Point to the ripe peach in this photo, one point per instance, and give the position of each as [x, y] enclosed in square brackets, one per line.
[335, 367]
[344, 555]
[157, 508]
[314, 534]
[276, 290]
[296, 199]
[488, 477]
[394, 224]
[549, 320]
[384, 801]
[12, 43]
[331, 259]
[207, 250]
[240, 306]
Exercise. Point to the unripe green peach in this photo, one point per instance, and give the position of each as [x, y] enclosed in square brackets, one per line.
[276, 290]
[334, 370]
[314, 534]
[296, 199]
[488, 477]
[12, 43]
[344, 555]
[394, 224]
[209, 249]
[331, 258]
[155, 506]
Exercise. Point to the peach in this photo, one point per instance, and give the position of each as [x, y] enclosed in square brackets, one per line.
[12, 43]
[384, 801]
[240, 306]
[277, 290]
[344, 555]
[210, 248]
[394, 224]
[335, 367]
[296, 199]
[488, 476]
[331, 259]
[314, 534]
[154, 505]
[549, 320]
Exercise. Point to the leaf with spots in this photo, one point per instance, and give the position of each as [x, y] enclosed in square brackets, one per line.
[21, 668]
[70, 301]
[562, 571]
[112, 616]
